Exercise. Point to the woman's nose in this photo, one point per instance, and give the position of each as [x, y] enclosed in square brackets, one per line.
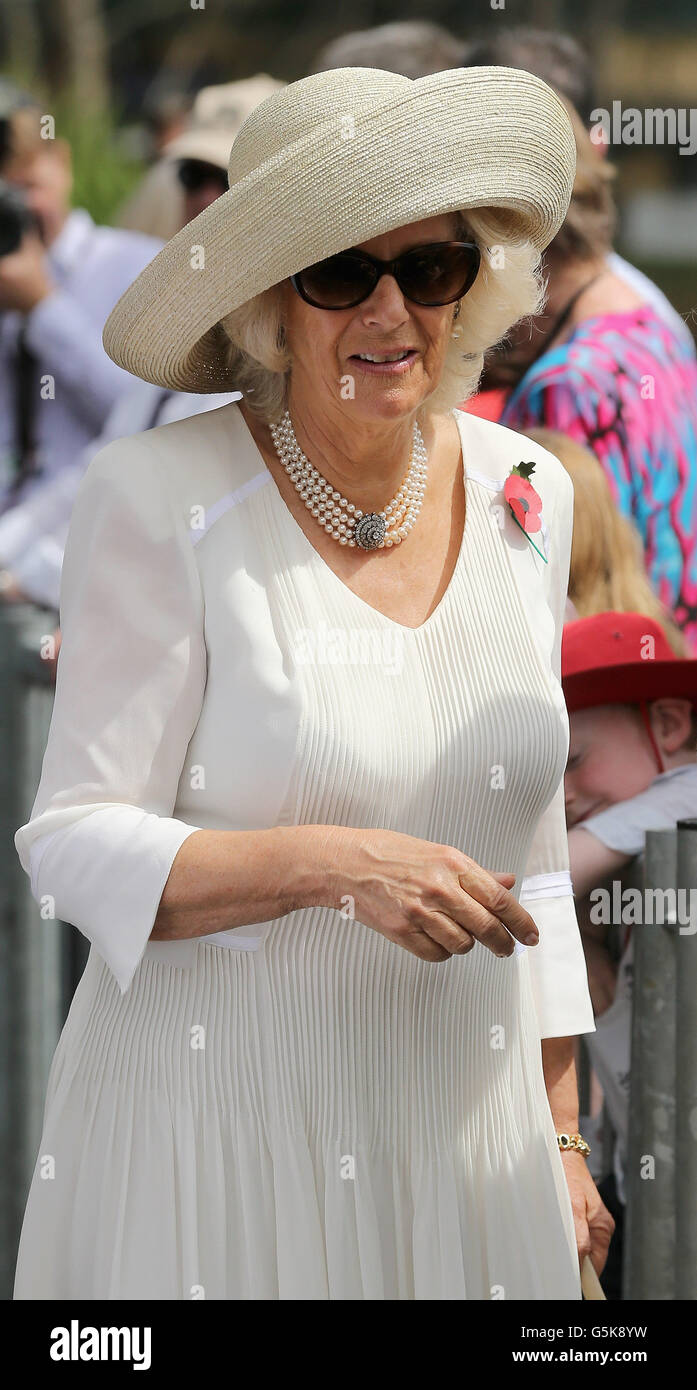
[386, 303]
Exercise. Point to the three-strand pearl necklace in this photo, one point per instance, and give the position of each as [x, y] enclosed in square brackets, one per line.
[339, 517]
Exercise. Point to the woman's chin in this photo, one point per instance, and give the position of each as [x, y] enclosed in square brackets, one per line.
[388, 402]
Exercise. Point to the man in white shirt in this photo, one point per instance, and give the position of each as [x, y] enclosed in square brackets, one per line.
[57, 384]
[33, 533]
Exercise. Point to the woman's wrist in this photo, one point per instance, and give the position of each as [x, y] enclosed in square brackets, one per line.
[309, 865]
[559, 1065]
[225, 879]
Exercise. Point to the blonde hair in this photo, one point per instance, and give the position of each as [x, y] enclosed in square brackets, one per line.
[607, 571]
[508, 287]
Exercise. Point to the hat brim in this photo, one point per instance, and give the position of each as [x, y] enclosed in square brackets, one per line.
[464, 138]
[205, 146]
[631, 682]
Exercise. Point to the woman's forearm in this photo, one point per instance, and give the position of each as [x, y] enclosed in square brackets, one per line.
[559, 1065]
[221, 879]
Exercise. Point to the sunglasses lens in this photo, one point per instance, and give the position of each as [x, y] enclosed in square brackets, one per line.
[337, 283]
[439, 274]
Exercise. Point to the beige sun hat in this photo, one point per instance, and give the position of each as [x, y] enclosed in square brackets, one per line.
[217, 115]
[326, 163]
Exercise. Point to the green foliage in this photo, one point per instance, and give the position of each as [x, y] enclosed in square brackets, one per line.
[105, 173]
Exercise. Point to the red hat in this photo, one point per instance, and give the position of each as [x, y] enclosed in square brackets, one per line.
[607, 660]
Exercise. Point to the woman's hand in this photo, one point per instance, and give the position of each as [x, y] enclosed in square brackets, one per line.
[592, 1221]
[429, 898]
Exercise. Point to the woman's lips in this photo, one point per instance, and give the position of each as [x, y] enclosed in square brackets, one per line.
[386, 368]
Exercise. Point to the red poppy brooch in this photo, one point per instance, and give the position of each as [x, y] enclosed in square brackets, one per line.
[524, 502]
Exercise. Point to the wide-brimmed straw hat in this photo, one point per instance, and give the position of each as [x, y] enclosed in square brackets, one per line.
[326, 163]
[606, 660]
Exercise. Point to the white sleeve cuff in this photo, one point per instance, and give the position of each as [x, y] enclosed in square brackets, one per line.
[106, 875]
[546, 885]
[557, 963]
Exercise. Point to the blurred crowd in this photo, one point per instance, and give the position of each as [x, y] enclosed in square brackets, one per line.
[605, 377]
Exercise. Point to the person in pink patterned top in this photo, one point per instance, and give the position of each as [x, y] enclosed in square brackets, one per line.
[600, 365]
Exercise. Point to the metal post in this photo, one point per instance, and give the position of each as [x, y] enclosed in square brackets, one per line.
[32, 1002]
[686, 1064]
[11, 1150]
[649, 1245]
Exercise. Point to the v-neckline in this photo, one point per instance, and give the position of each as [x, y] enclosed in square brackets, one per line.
[324, 568]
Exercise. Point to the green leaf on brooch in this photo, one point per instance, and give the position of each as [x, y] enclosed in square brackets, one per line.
[523, 469]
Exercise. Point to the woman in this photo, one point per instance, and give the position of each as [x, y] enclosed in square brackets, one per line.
[601, 364]
[298, 779]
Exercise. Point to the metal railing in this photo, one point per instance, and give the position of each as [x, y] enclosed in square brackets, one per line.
[660, 1255]
[40, 960]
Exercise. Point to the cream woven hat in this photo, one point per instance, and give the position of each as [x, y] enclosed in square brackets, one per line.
[218, 114]
[326, 163]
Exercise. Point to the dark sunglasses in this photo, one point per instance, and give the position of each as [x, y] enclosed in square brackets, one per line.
[437, 273]
[194, 173]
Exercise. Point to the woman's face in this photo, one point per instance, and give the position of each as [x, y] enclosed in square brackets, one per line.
[325, 344]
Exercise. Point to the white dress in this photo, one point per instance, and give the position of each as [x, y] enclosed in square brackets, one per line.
[299, 1109]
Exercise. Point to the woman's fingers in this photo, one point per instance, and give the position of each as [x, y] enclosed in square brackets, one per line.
[431, 899]
[439, 936]
[492, 914]
[485, 911]
[452, 939]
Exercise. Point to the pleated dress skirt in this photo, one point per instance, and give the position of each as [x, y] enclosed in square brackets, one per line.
[314, 1120]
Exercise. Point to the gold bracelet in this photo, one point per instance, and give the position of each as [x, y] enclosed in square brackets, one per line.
[573, 1141]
